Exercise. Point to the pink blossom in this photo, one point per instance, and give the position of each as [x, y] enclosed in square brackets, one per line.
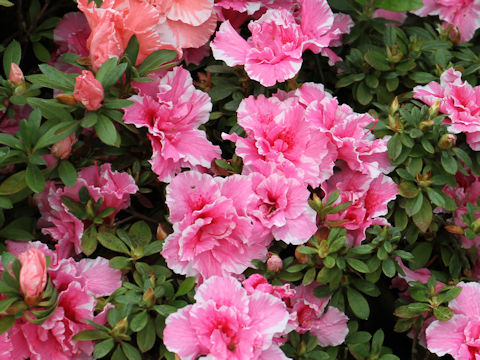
[390, 15]
[227, 323]
[88, 90]
[459, 335]
[464, 14]
[210, 224]
[62, 148]
[274, 51]
[282, 206]
[33, 274]
[368, 196]
[172, 110]
[53, 340]
[308, 311]
[274, 263]
[257, 282]
[459, 100]
[16, 75]
[56, 220]
[278, 133]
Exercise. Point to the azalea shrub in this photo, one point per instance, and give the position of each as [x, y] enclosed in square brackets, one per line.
[233, 179]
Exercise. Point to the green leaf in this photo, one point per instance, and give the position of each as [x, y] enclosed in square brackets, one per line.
[13, 184]
[89, 240]
[421, 254]
[154, 61]
[349, 79]
[6, 323]
[139, 321]
[394, 147]
[436, 197]
[56, 133]
[103, 348]
[358, 303]
[90, 119]
[363, 94]
[10, 140]
[140, 233]
[91, 335]
[146, 337]
[41, 52]
[377, 60]
[411, 310]
[130, 351]
[106, 130]
[422, 77]
[112, 242]
[13, 53]
[443, 313]
[359, 337]
[423, 218]
[153, 248]
[6, 3]
[118, 104]
[309, 276]
[414, 205]
[51, 109]
[118, 354]
[358, 265]
[132, 50]
[399, 5]
[449, 163]
[119, 262]
[4, 304]
[408, 190]
[67, 173]
[186, 286]
[34, 178]
[64, 81]
[449, 295]
[388, 267]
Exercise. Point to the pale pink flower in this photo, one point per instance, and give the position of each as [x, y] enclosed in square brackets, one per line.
[390, 15]
[16, 75]
[76, 284]
[278, 132]
[310, 313]
[172, 110]
[282, 205]
[274, 263]
[274, 51]
[257, 282]
[33, 274]
[459, 100]
[459, 335]
[56, 220]
[368, 196]
[88, 90]
[227, 323]
[464, 14]
[210, 224]
[252, 7]
[63, 148]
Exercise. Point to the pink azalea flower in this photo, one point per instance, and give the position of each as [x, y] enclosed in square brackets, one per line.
[459, 335]
[308, 311]
[77, 284]
[282, 206]
[464, 14]
[227, 323]
[390, 15]
[88, 90]
[274, 51]
[368, 196]
[33, 274]
[210, 224]
[56, 220]
[459, 100]
[172, 110]
[278, 133]
[257, 282]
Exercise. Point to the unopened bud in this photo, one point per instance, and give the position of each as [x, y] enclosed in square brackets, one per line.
[63, 148]
[66, 99]
[161, 234]
[120, 328]
[454, 229]
[426, 124]
[447, 141]
[149, 297]
[16, 75]
[274, 263]
[394, 106]
[301, 258]
[84, 61]
[433, 110]
[476, 226]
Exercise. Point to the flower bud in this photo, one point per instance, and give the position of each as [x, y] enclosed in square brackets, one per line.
[434, 109]
[33, 274]
[476, 226]
[447, 141]
[455, 229]
[16, 75]
[274, 263]
[66, 99]
[394, 106]
[63, 148]
[161, 234]
[149, 297]
[88, 90]
[301, 258]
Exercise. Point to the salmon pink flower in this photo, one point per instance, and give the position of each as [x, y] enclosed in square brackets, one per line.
[33, 274]
[172, 110]
[88, 90]
[16, 75]
[227, 323]
[62, 148]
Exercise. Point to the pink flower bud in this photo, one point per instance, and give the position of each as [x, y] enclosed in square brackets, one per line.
[88, 90]
[33, 274]
[447, 141]
[274, 263]
[16, 75]
[63, 148]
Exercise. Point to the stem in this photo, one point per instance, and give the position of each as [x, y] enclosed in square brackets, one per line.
[141, 216]
[414, 345]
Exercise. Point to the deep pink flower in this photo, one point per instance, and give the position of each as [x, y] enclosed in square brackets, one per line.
[464, 14]
[88, 90]
[227, 323]
[459, 335]
[368, 196]
[257, 282]
[278, 133]
[56, 220]
[172, 110]
[308, 311]
[210, 224]
[459, 100]
[33, 274]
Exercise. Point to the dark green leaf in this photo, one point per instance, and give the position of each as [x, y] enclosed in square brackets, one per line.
[130, 351]
[155, 60]
[6, 323]
[67, 173]
[139, 321]
[103, 348]
[112, 242]
[34, 178]
[358, 303]
[449, 163]
[13, 53]
[91, 335]
[106, 130]
[443, 313]
[399, 5]
[146, 337]
[423, 218]
[186, 286]
[89, 240]
[377, 60]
